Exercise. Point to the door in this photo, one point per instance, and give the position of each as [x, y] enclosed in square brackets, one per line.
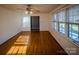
[35, 23]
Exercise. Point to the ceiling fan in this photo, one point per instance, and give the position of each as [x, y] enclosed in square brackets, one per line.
[29, 9]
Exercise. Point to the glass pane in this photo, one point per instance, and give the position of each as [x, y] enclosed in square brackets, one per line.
[55, 26]
[62, 27]
[26, 21]
[73, 31]
[61, 16]
[70, 31]
[73, 13]
[55, 17]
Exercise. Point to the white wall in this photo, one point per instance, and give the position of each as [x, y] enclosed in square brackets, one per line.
[44, 22]
[10, 24]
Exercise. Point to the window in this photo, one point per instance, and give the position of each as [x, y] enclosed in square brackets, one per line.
[73, 32]
[55, 17]
[55, 26]
[67, 22]
[73, 16]
[62, 27]
[55, 22]
[26, 21]
[61, 17]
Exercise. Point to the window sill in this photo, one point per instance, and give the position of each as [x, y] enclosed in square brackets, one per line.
[65, 43]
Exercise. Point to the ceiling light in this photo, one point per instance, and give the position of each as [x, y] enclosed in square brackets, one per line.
[31, 12]
[28, 12]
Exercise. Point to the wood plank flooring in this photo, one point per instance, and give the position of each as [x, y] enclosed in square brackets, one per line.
[32, 43]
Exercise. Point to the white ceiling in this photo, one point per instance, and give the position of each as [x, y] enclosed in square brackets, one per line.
[43, 8]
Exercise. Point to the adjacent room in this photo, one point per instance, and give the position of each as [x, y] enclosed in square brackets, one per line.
[39, 29]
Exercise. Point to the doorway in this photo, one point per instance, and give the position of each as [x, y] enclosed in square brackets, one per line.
[35, 23]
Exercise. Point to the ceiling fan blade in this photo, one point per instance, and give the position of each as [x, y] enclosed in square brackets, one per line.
[33, 9]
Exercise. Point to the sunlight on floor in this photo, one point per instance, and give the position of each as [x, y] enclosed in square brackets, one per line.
[20, 45]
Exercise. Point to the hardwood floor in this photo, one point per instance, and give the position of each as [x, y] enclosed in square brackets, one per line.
[32, 43]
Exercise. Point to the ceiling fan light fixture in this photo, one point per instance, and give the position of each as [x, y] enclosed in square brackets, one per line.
[28, 12]
[31, 12]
